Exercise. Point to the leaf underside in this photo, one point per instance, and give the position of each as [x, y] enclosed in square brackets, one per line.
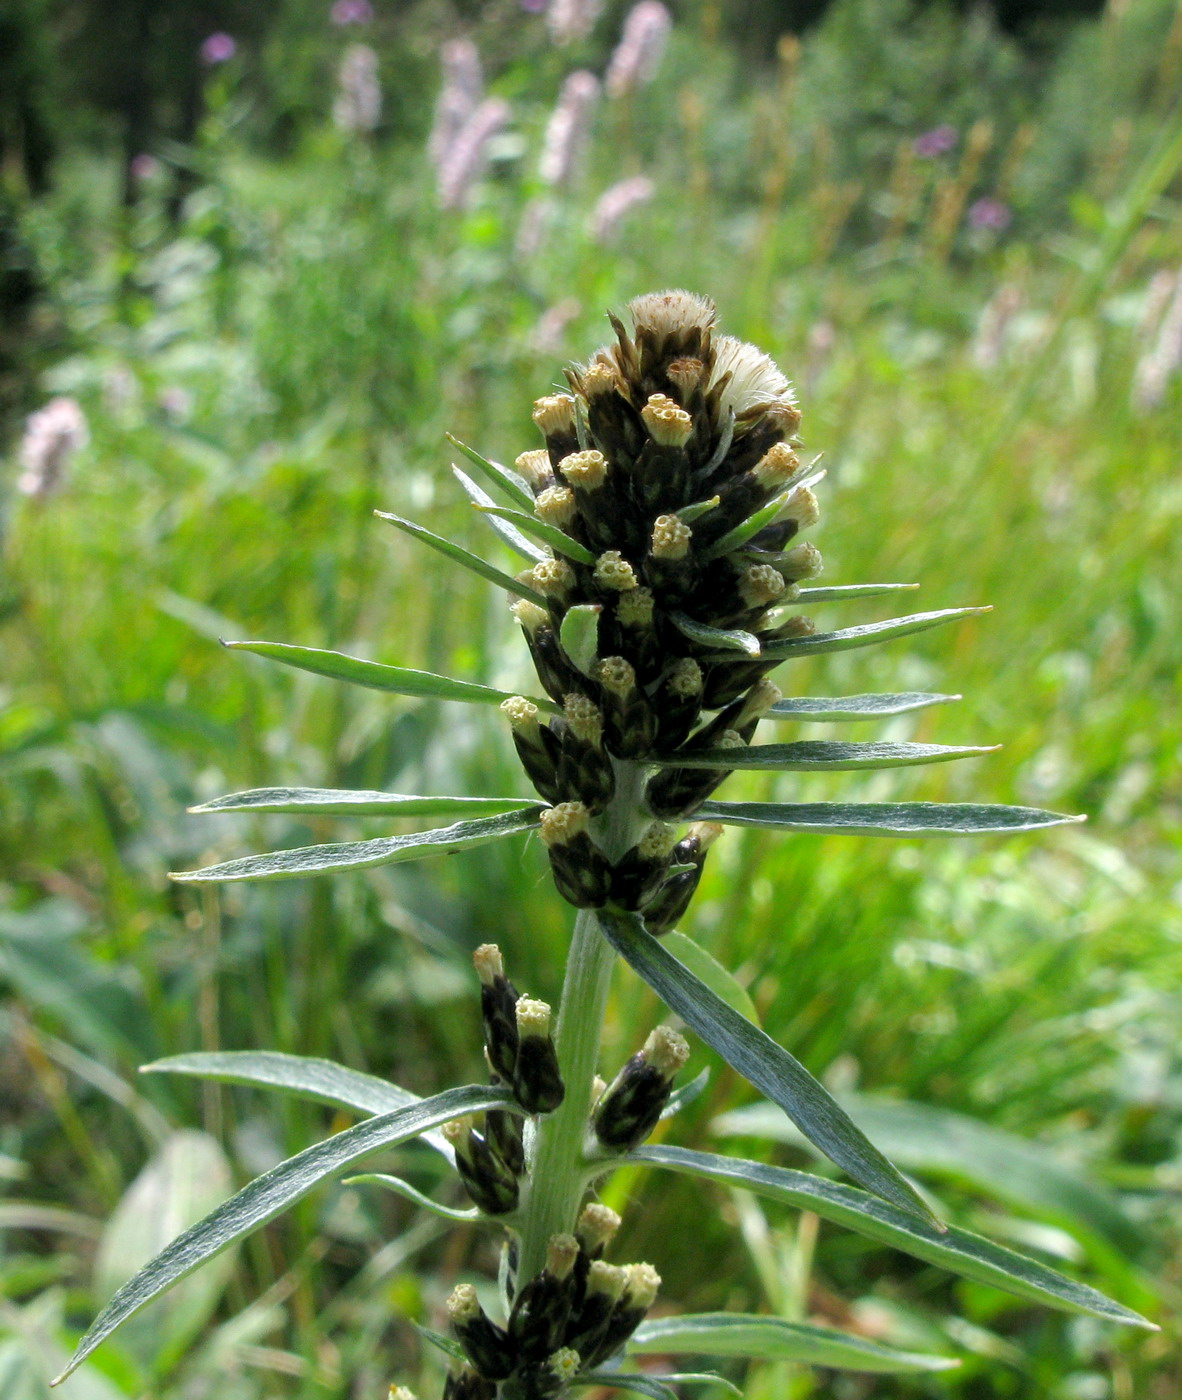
[884, 818]
[852, 707]
[508, 532]
[868, 634]
[758, 1058]
[821, 755]
[355, 802]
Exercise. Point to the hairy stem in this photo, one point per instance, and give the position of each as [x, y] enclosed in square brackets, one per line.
[558, 1171]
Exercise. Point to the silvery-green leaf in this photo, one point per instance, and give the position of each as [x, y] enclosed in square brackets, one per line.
[658, 1387]
[375, 675]
[679, 1098]
[959, 1251]
[884, 818]
[864, 636]
[733, 639]
[838, 593]
[355, 802]
[579, 635]
[447, 1345]
[507, 531]
[751, 527]
[413, 1194]
[758, 1058]
[774, 1339]
[361, 855]
[465, 558]
[719, 979]
[952, 1146]
[513, 485]
[816, 755]
[558, 540]
[850, 707]
[272, 1193]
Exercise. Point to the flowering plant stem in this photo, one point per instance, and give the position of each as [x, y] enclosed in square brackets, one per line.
[558, 1177]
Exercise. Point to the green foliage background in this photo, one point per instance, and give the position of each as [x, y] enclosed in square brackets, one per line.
[327, 324]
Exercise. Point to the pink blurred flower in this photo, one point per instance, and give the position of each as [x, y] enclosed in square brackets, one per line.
[568, 20]
[218, 48]
[990, 213]
[351, 12]
[638, 54]
[936, 142]
[459, 95]
[463, 163]
[358, 103]
[568, 128]
[52, 436]
[144, 166]
[616, 202]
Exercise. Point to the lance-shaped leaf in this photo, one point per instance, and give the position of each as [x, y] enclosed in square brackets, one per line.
[459, 555]
[684, 1096]
[864, 636]
[885, 818]
[355, 802]
[397, 680]
[509, 482]
[721, 981]
[840, 592]
[508, 532]
[960, 1251]
[558, 540]
[688, 514]
[579, 635]
[656, 1387]
[766, 515]
[273, 1192]
[303, 1075]
[758, 1058]
[773, 1339]
[416, 1197]
[361, 855]
[929, 1141]
[817, 755]
[735, 641]
[850, 707]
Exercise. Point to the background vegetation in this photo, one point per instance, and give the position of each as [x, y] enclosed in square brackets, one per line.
[269, 325]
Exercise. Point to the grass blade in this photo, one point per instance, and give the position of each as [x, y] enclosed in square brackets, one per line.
[423, 685]
[272, 1193]
[509, 482]
[758, 1058]
[361, 855]
[821, 755]
[773, 1339]
[464, 557]
[885, 818]
[354, 802]
[960, 1251]
[850, 707]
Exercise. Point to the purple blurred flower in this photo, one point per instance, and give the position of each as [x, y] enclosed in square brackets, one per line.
[638, 54]
[144, 166]
[990, 213]
[936, 142]
[52, 436]
[533, 7]
[568, 128]
[218, 48]
[351, 12]
[616, 202]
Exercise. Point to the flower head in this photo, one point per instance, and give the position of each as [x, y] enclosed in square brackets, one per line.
[218, 48]
[937, 142]
[52, 436]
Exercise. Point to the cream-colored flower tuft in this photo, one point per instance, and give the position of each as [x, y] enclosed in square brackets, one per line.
[756, 381]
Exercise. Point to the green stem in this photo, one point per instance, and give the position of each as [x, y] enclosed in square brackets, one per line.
[558, 1171]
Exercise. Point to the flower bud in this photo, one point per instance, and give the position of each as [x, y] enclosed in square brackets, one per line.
[553, 577]
[555, 414]
[668, 424]
[671, 538]
[537, 1082]
[639, 872]
[802, 562]
[642, 1283]
[631, 723]
[541, 1310]
[492, 1187]
[776, 468]
[613, 573]
[687, 377]
[604, 1287]
[557, 506]
[585, 471]
[596, 1228]
[635, 609]
[759, 585]
[537, 748]
[498, 1007]
[535, 467]
[630, 1109]
[486, 1344]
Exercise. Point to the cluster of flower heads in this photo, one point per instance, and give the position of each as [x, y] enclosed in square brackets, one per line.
[579, 1310]
[671, 468]
[52, 437]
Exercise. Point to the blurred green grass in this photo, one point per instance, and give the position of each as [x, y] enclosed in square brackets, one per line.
[328, 325]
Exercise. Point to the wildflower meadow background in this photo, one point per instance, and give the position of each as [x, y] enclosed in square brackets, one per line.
[254, 262]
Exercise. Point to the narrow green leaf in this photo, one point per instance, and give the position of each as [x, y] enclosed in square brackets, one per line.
[719, 979]
[957, 1250]
[579, 635]
[773, 1339]
[376, 676]
[864, 636]
[355, 802]
[273, 1192]
[658, 1387]
[885, 818]
[447, 1345]
[838, 593]
[818, 755]
[758, 1058]
[952, 1146]
[361, 855]
[413, 1194]
[688, 514]
[465, 558]
[558, 540]
[851, 707]
[680, 1098]
[733, 640]
[507, 531]
[765, 516]
[513, 485]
